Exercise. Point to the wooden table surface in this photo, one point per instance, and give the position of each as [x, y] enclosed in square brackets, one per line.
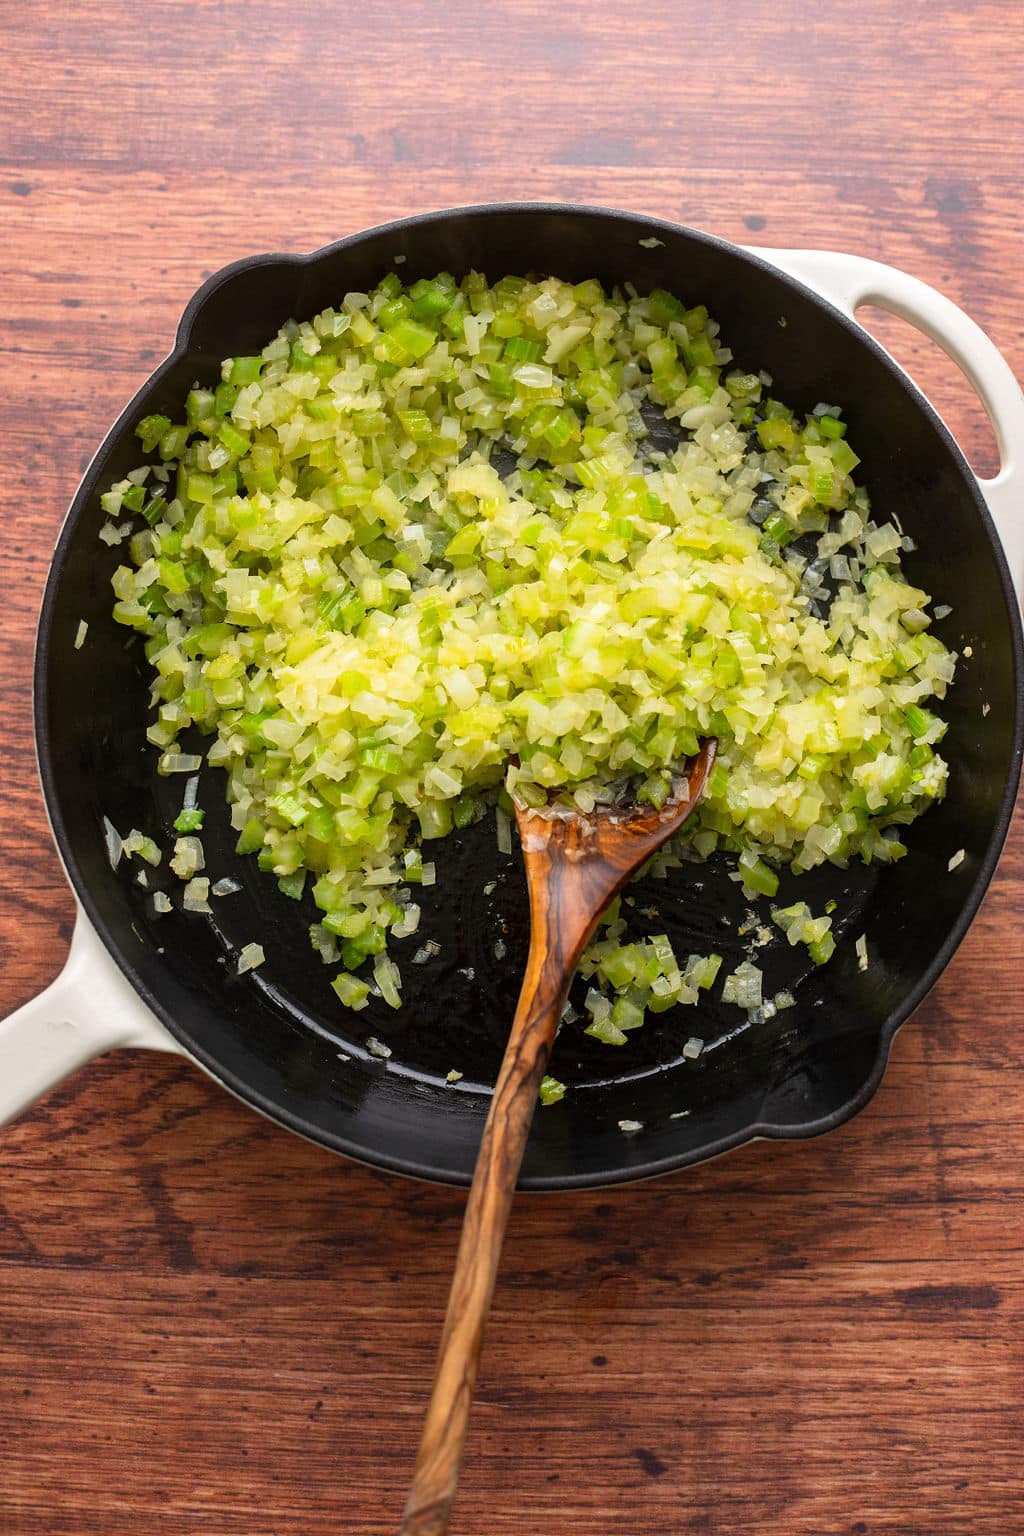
[207, 1325]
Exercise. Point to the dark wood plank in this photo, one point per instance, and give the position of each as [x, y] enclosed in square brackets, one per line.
[206, 1324]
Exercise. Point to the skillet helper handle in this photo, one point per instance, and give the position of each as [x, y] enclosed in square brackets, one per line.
[558, 934]
[847, 281]
[89, 1009]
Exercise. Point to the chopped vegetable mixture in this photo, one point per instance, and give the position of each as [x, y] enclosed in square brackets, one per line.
[418, 555]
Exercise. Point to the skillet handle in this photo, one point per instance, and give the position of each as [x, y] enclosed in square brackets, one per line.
[89, 1009]
[847, 281]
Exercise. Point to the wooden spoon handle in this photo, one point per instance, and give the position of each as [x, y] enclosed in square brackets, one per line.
[556, 942]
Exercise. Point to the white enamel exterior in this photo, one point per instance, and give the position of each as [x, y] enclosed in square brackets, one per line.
[91, 1008]
[849, 281]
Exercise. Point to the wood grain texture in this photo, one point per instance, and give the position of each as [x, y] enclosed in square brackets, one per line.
[208, 1326]
[575, 866]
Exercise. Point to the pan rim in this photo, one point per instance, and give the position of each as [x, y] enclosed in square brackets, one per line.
[415, 1168]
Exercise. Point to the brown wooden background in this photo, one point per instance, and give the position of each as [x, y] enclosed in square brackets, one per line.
[208, 1326]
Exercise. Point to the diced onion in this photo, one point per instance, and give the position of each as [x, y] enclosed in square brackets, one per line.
[249, 957]
[194, 898]
[420, 543]
[113, 841]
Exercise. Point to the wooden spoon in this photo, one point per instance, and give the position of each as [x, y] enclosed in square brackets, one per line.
[575, 864]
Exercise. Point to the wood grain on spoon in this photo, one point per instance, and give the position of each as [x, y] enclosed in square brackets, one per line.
[575, 865]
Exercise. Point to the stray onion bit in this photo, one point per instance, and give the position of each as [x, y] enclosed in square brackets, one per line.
[861, 948]
[113, 841]
[378, 1048]
[194, 898]
[189, 857]
[743, 987]
[454, 1077]
[651, 243]
[249, 957]
[629, 1127]
[693, 1047]
[178, 762]
[956, 860]
[389, 979]
[80, 634]
[225, 887]
[137, 844]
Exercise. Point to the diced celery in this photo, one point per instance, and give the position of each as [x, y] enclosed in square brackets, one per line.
[244, 370]
[776, 434]
[428, 543]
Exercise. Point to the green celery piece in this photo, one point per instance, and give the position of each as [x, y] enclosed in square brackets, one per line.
[520, 349]
[289, 807]
[821, 950]
[134, 499]
[224, 397]
[757, 875]
[776, 433]
[151, 429]
[416, 424]
[607, 1032]
[199, 406]
[500, 381]
[244, 370]
[320, 824]
[384, 759]
[843, 457]
[414, 339]
[189, 821]
[433, 298]
[718, 780]
[776, 527]
[664, 308]
[173, 443]
[235, 441]
[699, 353]
[251, 838]
[352, 992]
[390, 285]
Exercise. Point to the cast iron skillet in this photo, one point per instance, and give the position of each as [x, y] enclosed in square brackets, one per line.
[279, 1039]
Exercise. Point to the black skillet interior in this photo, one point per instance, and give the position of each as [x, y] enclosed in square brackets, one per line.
[279, 1038]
